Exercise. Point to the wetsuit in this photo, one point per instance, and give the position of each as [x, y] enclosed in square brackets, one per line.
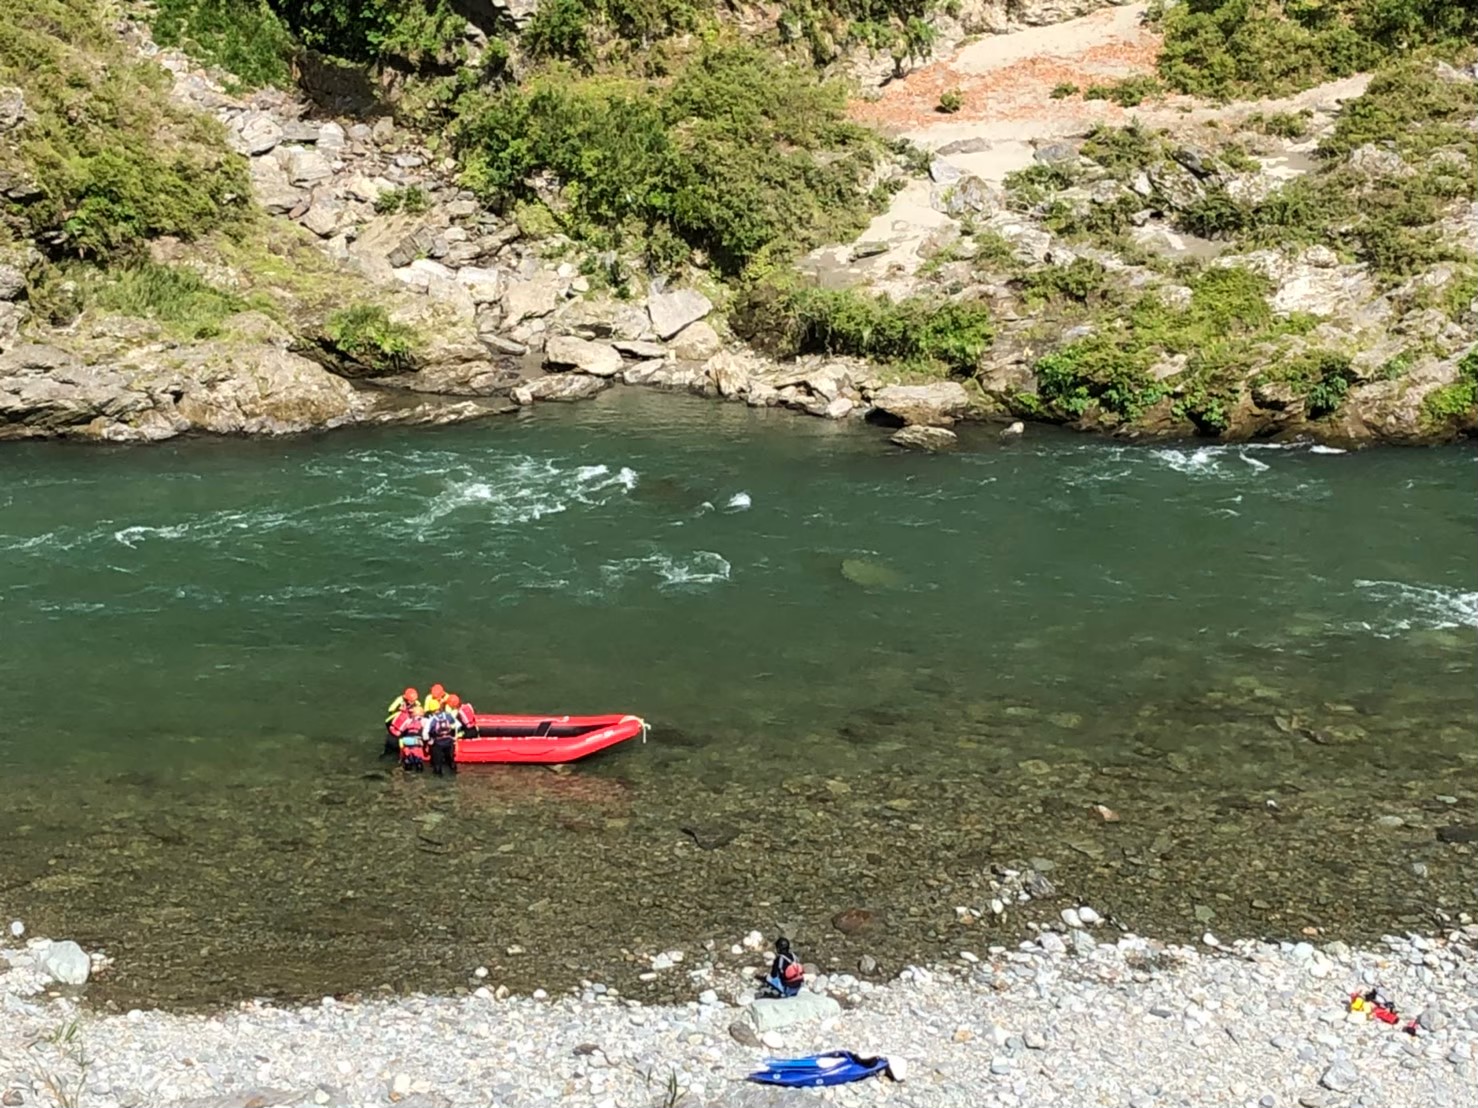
[786, 975]
[441, 730]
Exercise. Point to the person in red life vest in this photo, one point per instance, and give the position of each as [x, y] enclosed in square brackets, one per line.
[411, 739]
[466, 716]
[392, 714]
[786, 972]
[441, 734]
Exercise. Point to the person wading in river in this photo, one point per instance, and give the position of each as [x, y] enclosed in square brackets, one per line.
[397, 717]
[441, 733]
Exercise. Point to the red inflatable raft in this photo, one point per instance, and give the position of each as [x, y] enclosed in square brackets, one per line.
[545, 738]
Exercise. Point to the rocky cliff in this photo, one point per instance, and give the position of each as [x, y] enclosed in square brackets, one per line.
[1118, 303]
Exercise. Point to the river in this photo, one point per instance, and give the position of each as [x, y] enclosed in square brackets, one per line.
[870, 676]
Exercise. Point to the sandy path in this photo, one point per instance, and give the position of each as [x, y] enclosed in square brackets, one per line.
[1006, 83]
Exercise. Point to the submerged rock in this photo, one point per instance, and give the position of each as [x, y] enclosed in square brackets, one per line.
[932, 439]
[870, 575]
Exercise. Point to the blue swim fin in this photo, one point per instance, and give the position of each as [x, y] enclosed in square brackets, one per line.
[836, 1067]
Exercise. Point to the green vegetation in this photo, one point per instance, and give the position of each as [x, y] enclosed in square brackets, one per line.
[1063, 89]
[1127, 92]
[416, 33]
[725, 159]
[1455, 404]
[105, 162]
[950, 101]
[1250, 48]
[1286, 125]
[1217, 335]
[174, 296]
[365, 333]
[1096, 371]
[411, 199]
[243, 37]
[789, 317]
[1321, 378]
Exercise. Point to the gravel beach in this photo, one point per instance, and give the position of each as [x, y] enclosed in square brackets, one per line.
[1082, 1015]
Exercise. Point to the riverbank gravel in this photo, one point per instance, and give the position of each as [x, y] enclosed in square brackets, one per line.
[1081, 1016]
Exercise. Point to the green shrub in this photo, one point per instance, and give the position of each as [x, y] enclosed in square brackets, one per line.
[243, 37]
[1128, 92]
[1321, 378]
[1124, 151]
[1286, 125]
[950, 101]
[1097, 371]
[1252, 48]
[1411, 108]
[365, 333]
[111, 162]
[177, 297]
[411, 199]
[1456, 403]
[739, 157]
[414, 32]
[559, 29]
[1063, 89]
[794, 318]
[1026, 188]
[1082, 281]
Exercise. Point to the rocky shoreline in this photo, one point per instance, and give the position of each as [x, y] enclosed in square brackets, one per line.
[362, 211]
[1082, 1013]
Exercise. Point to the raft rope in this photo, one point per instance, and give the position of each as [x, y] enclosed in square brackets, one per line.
[645, 726]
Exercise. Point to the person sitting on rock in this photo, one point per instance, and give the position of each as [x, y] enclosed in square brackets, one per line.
[786, 972]
[465, 714]
[441, 735]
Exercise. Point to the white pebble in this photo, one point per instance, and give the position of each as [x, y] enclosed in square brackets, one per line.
[17, 928]
[1071, 918]
[540, 994]
[1089, 916]
[773, 1040]
[480, 972]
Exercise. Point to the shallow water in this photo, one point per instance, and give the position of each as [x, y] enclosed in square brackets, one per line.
[879, 673]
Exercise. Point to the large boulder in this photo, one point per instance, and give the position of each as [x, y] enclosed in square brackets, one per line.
[602, 317]
[729, 373]
[12, 108]
[930, 439]
[274, 192]
[673, 311]
[304, 167]
[937, 404]
[697, 342]
[769, 1014]
[65, 962]
[531, 299]
[560, 386]
[566, 351]
[258, 133]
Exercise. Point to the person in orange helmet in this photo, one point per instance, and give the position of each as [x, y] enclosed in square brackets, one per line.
[435, 699]
[465, 714]
[398, 707]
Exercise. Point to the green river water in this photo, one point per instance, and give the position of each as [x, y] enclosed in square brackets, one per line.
[871, 676]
